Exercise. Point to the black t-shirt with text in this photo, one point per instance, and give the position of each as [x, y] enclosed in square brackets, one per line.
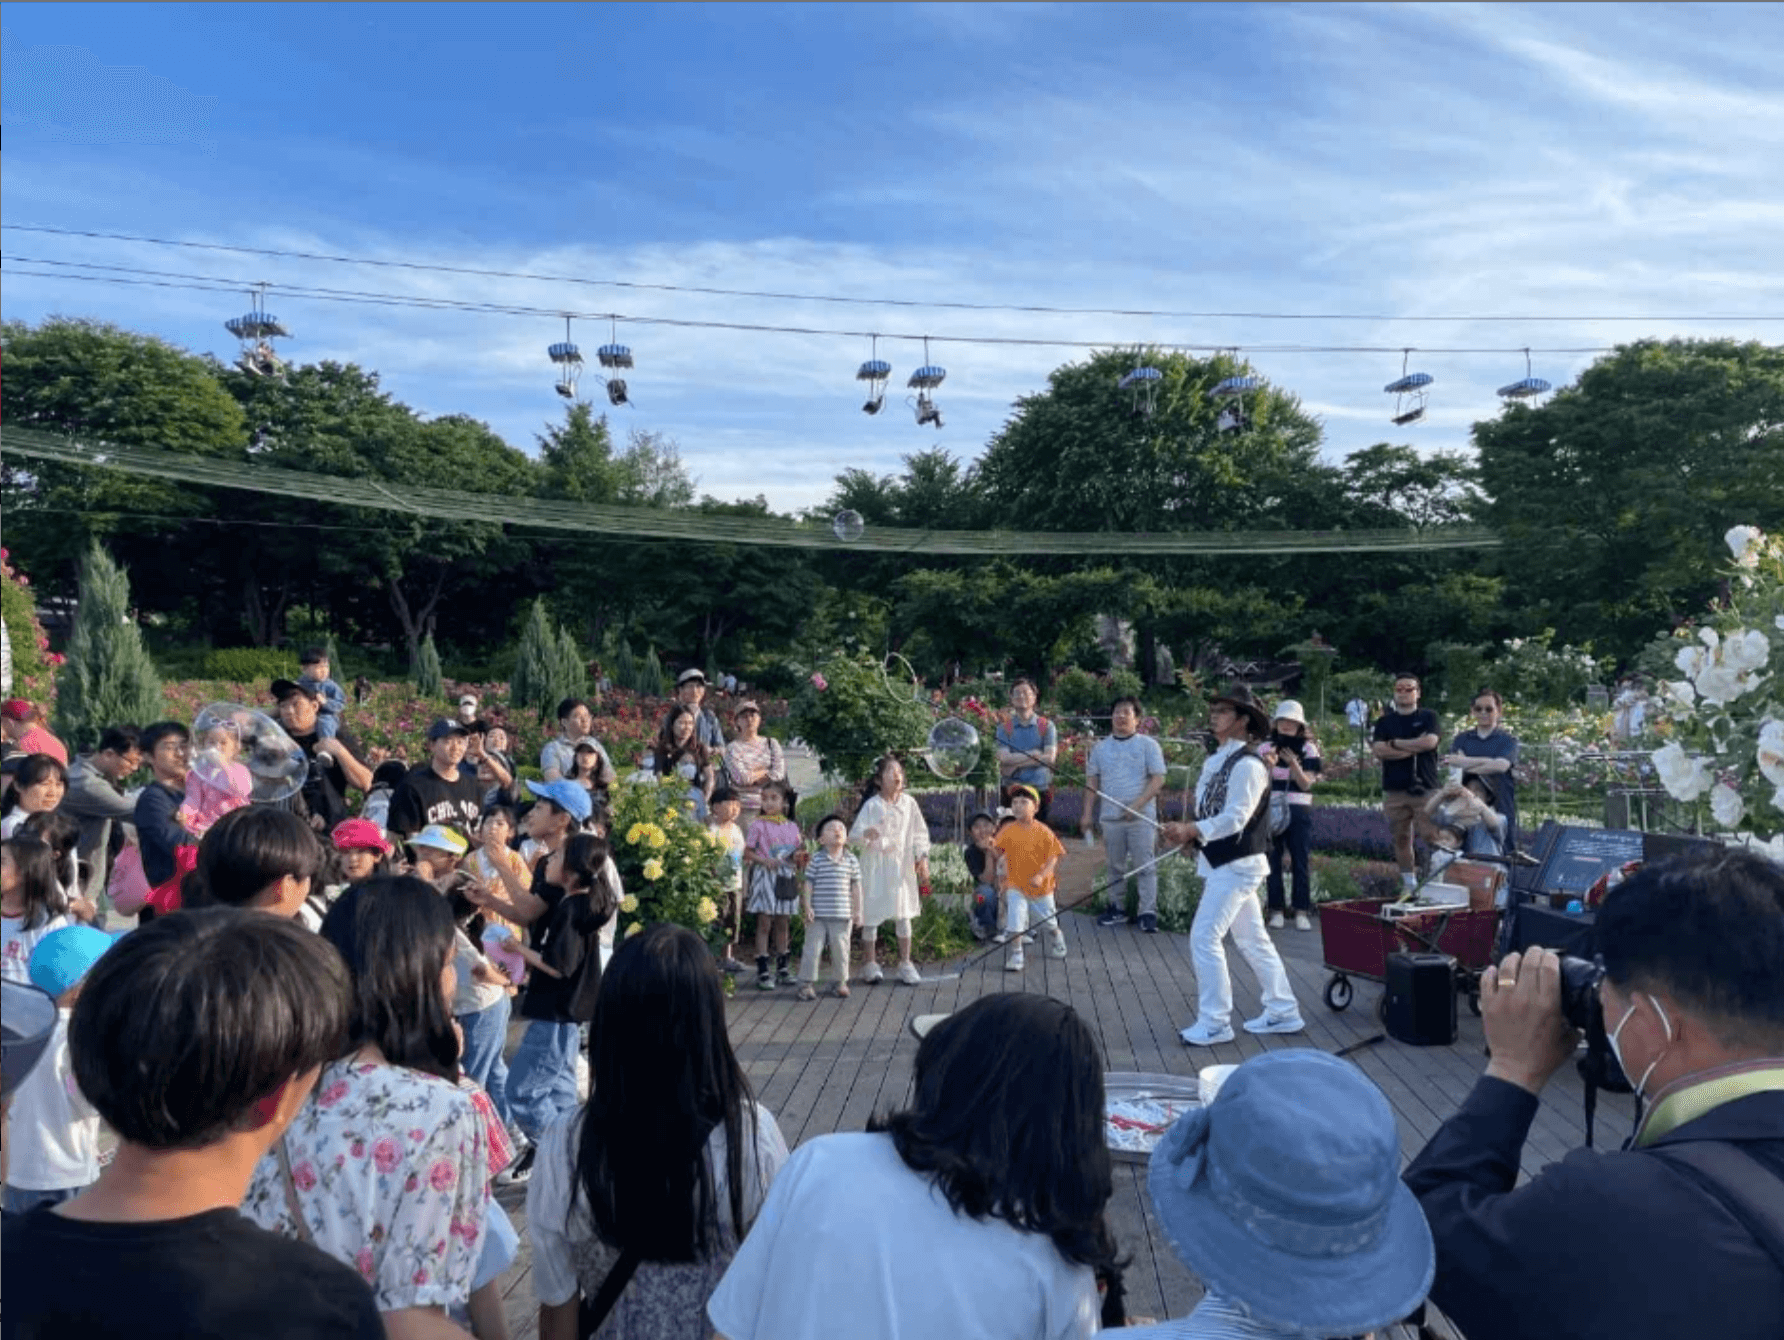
[424, 797]
[1418, 774]
[211, 1276]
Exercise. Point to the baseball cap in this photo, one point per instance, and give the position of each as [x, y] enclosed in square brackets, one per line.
[284, 688]
[747, 705]
[567, 796]
[442, 728]
[441, 838]
[16, 709]
[63, 957]
[358, 835]
[690, 677]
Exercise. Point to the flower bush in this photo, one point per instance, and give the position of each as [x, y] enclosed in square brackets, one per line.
[858, 714]
[1533, 672]
[33, 663]
[1725, 714]
[669, 862]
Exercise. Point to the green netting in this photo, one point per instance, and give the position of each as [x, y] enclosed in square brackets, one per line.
[654, 523]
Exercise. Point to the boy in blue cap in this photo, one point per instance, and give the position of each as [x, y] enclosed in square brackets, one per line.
[52, 1147]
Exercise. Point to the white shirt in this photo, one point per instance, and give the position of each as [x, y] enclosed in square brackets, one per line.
[1246, 788]
[52, 1143]
[1213, 1319]
[852, 1242]
[17, 943]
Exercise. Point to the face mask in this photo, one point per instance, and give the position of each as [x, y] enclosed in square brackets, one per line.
[1617, 1052]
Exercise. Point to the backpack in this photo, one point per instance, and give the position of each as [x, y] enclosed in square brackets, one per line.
[127, 886]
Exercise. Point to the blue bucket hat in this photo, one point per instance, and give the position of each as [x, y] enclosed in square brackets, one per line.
[1284, 1196]
[567, 796]
[65, 956]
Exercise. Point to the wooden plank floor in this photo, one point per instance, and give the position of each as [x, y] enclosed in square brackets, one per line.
[827, 1066]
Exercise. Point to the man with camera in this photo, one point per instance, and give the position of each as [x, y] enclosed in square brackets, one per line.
[1682, 1231]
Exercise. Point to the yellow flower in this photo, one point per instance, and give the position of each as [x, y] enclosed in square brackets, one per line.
[706, 911]
[629, 903]
[657, 838]
[633, 929]
[716, 838]
[653, 869]
[634, 833]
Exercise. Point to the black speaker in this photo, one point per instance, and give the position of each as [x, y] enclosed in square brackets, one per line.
[1420, 1007]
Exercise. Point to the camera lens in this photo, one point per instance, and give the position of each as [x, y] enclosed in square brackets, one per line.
[1579, 991]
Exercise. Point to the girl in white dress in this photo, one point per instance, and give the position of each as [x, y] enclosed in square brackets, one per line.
[894, 843]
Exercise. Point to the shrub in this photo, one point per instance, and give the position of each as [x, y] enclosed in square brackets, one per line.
[543, 671]
[108, 678]
[248, 664]
[1079, 691]
[29, 644]
[848, 712]
[668, 862]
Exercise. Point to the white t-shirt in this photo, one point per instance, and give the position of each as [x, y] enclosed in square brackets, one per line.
[851, 1239]
[16, 944]
[52, 1141]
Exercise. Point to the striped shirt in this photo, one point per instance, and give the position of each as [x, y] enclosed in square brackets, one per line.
[832, 883]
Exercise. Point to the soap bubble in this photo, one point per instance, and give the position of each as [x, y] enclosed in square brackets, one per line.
[848, 525]
[953, 748]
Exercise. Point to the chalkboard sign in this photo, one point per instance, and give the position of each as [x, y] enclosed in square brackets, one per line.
[1581, 855]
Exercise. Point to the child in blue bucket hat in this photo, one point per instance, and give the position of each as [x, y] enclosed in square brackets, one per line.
[1284, 1197]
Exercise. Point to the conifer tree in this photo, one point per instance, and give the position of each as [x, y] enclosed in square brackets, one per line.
[532, 682]
[429, 682]
[108, 679]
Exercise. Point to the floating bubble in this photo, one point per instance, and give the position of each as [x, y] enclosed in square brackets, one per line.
[233, 745]
[953, 748]
[848, 525]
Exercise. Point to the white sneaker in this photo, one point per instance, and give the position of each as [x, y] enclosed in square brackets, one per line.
[1199, 1034]
[1056, 947]
[1275, 921]
[871, 973]
[908, 974]
[1002, 938]
[1288, 1023]
[582, 1077]
[1302, 923]
[1014, 962]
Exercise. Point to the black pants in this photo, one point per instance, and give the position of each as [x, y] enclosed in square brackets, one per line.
[1296, 839]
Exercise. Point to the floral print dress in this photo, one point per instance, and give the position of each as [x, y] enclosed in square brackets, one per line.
[390, 1168]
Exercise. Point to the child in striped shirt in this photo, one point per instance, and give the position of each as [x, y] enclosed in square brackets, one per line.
[831, 900]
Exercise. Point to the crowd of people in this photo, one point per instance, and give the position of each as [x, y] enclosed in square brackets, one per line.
[302, 1053]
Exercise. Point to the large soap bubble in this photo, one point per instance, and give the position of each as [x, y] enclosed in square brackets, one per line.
[848, 525]
[953, 748]
[246, 753]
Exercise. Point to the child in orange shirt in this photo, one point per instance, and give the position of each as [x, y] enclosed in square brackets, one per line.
[1031, 853]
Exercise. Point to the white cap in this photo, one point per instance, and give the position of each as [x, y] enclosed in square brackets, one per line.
[1290, 710]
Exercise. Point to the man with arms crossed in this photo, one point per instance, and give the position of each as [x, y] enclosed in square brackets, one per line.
[1406, 744]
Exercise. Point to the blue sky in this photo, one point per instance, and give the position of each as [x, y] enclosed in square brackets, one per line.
[1408, 160]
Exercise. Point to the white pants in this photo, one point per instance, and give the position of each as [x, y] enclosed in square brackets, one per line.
[1018, 907]
[1229, 902]
[818, 931]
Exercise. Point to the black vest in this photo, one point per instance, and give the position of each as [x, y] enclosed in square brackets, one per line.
[1254, 838]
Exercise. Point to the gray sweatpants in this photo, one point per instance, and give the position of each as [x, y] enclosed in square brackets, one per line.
[1130, 844]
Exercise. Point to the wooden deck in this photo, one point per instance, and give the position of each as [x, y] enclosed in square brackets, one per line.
[826, 1066]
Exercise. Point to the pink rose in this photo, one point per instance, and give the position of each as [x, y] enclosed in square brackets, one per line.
[420, 1276]
[362, 1260]
[386, 1154]
[417, 1136]
[333, 1094]
[819, 683]
[358, 1149]
[442, 1175]
[304, 1175]
[411, 1183]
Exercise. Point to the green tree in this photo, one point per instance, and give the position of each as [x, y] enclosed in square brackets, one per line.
[108, 679]
[102, 382]
[651, 472]
[535, 664]
[1613, 497]
[425, 670]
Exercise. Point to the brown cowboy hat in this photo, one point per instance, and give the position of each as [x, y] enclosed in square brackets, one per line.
[1243, 701]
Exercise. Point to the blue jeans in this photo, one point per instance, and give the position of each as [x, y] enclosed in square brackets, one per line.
[486, 1034]
[18, 1200]
[542, 1076]
[985, 907]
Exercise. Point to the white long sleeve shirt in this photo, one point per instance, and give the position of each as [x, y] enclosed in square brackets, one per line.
[1246, 788]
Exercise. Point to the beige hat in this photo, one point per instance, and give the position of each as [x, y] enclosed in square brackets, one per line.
[1290, 710]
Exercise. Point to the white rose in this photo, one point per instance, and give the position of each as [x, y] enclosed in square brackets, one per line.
[1720, 685]
[1779, 621]
[1771, 752]
[1726, 805]
[1684, 777]
[1691, 660]
[1778, 804]
[1708, 637]
[1744, 543]
[1680, 697]
[1746, 650]
[1773, 849]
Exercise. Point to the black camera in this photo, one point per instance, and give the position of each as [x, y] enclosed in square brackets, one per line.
[1583, 1010]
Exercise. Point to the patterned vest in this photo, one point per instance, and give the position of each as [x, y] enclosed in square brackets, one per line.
[1254, 838]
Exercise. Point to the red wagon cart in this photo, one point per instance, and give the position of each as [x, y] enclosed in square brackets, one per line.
[1359, 935]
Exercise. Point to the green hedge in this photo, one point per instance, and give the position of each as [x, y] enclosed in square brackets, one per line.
[244, 665]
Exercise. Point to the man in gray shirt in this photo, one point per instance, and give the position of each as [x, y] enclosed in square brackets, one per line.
[1126, 773]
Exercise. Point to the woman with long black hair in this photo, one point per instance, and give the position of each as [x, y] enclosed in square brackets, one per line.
[978, 1210]
[387, 1165]
[663, 1170]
